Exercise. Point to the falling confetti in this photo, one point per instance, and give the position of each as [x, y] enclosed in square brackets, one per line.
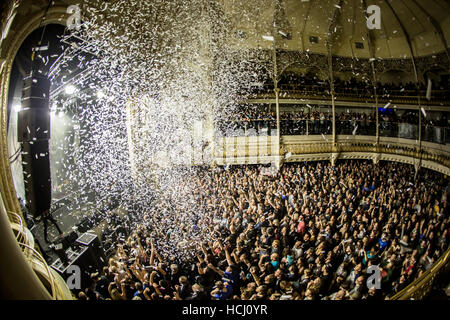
[144, 88]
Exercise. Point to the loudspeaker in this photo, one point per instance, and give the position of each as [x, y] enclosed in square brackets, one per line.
[36, 174]
[77, 260]
[34, 116]
[86, 255]
[36, 91]
[33, 125]
[34, 134]
[95, 253]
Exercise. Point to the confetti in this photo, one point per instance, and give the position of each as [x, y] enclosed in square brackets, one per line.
[149, 86]
[268, 38]
[423, 111]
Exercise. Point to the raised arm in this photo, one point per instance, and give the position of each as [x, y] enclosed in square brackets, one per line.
[152, 255]
[217, 270]
[255, 276]
[134, 269]
[176, 293]
[146, 292]
[160, 269]
[235, 202]
[260, 262]
[235, 257]
[110, 289]
[160, 259]
[123, 292]
[140, 247]
[158, 292]
[200, 269]
[151, 280]
[227, 254]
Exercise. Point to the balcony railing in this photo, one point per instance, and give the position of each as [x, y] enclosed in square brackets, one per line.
[292, 91]
[293, 127]
[421, 287]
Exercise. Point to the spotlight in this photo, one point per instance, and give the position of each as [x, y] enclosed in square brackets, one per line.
[17, 107]
[70, 89]
[100, 94]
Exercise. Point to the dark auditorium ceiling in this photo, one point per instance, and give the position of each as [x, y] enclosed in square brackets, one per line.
[422, 26]
[425, 22]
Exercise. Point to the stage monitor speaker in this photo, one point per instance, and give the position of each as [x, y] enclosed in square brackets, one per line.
[81, 260]
[95, 251]
[87, 255]
[34, 134]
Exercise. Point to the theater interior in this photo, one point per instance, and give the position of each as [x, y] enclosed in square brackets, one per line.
[225, 150]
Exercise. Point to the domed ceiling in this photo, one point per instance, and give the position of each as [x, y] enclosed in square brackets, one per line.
[418, 26]
[422, 26]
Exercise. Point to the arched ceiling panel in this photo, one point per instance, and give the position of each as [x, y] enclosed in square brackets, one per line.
[317, 25]
[249, 23]
[426, 23]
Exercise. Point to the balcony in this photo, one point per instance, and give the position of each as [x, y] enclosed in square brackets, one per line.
[253, 142]
[318, 93]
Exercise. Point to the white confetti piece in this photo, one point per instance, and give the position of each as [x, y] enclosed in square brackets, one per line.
[268, 38]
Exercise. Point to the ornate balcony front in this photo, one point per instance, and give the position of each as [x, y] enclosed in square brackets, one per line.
[306, 140]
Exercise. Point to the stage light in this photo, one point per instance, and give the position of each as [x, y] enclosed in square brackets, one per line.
[70, 89]
[100, 94]
[17, 107]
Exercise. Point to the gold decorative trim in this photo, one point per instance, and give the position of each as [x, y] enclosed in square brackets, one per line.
[21, 27]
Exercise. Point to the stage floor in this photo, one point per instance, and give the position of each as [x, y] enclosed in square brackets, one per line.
[66, 217]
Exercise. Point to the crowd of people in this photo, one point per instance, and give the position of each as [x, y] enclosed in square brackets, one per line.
[310, 84]
[312, 231]
[315, 120]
